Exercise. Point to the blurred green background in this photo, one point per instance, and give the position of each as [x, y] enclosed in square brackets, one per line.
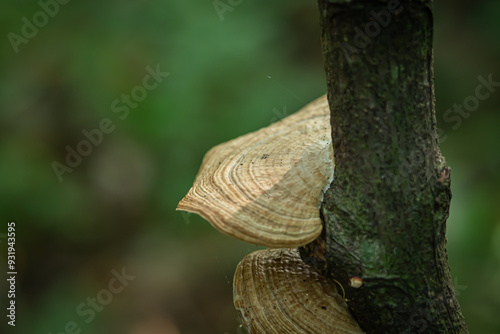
[229, 75]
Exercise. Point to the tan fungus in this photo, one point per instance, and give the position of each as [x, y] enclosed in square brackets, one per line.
[266, 187]
[277, 293]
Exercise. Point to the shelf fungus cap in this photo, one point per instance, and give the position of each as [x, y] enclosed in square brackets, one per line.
[266, 187]
[276, 292]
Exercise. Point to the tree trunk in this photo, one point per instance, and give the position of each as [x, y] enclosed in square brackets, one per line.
[385, 212]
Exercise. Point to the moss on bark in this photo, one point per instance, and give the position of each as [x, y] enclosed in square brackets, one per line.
[385, 212]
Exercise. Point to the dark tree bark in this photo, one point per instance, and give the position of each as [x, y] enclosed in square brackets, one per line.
[386, 210]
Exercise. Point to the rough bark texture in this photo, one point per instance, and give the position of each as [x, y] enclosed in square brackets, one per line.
[385, 212]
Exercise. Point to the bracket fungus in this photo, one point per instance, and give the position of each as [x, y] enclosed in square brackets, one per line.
[276, 292]
[266, 187]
